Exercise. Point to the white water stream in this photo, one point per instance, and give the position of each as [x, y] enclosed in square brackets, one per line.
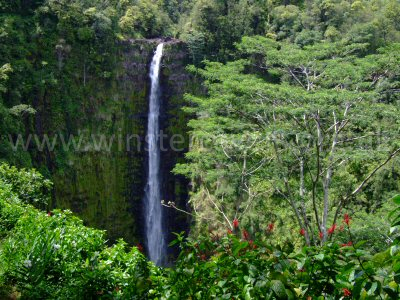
[155, 235]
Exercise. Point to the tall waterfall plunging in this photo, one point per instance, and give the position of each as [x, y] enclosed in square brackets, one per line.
[155, 236]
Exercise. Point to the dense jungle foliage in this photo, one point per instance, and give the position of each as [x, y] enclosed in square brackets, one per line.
[293, 157]
[52, 255]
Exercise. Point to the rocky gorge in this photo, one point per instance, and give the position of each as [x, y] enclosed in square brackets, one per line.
[103, 180]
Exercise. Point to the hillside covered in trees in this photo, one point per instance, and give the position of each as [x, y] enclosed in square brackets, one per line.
[284, 185]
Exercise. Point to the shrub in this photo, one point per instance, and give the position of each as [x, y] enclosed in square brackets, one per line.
[235, 267]
[54, 256]
[28, 185]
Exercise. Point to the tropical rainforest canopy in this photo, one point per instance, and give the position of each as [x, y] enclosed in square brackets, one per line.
[289, 178]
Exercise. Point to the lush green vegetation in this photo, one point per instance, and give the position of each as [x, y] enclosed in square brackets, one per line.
[294, 153]
[311, 129]
[51, 255]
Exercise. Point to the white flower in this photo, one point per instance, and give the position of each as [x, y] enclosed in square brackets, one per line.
[56, 246]
[27, 263]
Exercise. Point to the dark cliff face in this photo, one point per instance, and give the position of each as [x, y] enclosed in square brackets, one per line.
[175, 81]
[105, 186]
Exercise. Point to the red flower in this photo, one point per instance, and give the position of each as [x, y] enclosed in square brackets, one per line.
[332, 229]
[302, 231]
[347, 244]
[346, 219]
[140, 247]
[271, 227]
[346, 292]
[245, 235]
[321, 235]
[49, 213]
[230, 231]
[252, 245]
[235, 223]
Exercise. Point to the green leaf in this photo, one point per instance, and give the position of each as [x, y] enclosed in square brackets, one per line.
[392, 293]
[396, 199]
[394, 229]
[360, 243]
[189, 271]
[279, 289]
[396, 267]
[239, 246]
[394, 250]
[372, 290]
[396, 210]
[221, 283]
[396, 278]
[320, 257]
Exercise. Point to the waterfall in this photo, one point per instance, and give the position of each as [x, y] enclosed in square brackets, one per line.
[155, 236]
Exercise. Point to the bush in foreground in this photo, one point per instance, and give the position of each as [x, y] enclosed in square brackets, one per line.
[53, 256]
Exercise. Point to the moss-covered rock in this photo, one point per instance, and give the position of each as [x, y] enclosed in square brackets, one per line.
[105, 186]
